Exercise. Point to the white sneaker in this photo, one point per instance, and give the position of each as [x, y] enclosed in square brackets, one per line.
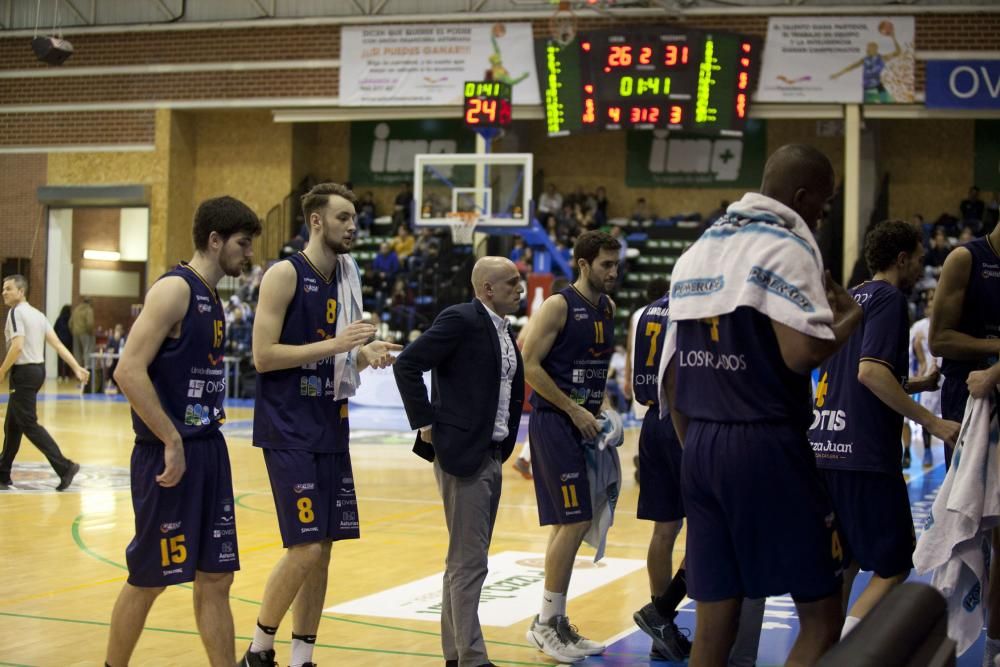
[582, 644]
[552, 639]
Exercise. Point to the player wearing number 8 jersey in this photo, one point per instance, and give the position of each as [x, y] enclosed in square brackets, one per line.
[182, 491]
[308, 346]
[567, 350]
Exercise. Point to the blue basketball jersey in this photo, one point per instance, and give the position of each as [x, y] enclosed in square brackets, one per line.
[295, 408]
[852, 428]
[730, 369]
[981, 308]
[188, 372]
[579, 358]
[650, 335]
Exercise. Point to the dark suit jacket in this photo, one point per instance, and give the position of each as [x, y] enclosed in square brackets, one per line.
[462, 351]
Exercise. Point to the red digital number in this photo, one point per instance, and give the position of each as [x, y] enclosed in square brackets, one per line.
[645, 55]
[620, 56]
[674, 55]
[676, 115]
[472, 112]
[742, 81]
[615, 114]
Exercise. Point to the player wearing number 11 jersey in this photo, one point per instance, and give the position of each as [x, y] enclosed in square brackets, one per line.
[171, 371]
[567, 349]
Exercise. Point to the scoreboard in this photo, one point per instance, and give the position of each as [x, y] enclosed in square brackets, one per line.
[487, 104]
[646, 78]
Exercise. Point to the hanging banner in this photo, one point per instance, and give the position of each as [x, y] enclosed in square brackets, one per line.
[963, 84]
[679, 160]
[419, 65]
[838, 59]
[382, 152]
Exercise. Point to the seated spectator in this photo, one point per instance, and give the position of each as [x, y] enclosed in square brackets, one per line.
[403, 243]
[385, 266]
[550, 201]
[237, 305]
[366, 212]
[551, 225]
[525, 262]
[966, 235]
[584, 217]
[972, 209]
[403, 206]
[642, 212]
[601, 206]
[568, 223]
[239, 333]
[940, 247]
[517, 250]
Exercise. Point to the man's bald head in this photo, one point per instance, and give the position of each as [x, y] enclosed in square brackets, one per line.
[490, 270]
[497, 283]
[801, 178]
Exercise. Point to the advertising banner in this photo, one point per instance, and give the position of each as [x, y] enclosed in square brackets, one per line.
[838, 59]
[382, 151]
[421, 65]
[963, 84]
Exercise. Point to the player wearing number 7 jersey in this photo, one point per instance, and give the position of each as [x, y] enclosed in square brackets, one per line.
[567, 349]
[308, 346]
[171, 372]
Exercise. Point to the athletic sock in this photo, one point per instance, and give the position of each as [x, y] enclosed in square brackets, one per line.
[849, 624]
[553, 604]
[302, 649]
[991, 652]
[667, 603]
[263, 638]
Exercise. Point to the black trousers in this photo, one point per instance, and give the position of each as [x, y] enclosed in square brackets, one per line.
[22, 419]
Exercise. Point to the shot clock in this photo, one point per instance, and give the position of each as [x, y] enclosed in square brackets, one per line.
[690, 80]
[487, 105]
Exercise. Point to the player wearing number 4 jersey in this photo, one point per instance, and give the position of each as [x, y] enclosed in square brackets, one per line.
[182, 490]
[309, 345]
[567, 350]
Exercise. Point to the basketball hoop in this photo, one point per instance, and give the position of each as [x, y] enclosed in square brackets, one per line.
[463, 226]
[562, 25]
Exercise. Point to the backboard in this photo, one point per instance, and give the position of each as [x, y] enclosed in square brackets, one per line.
[486, 189]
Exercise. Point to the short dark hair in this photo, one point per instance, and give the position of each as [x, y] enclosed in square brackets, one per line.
[886, 240]
[20, 282]
[590, 244]
[225, 216]
[656, 288]
[319, 197]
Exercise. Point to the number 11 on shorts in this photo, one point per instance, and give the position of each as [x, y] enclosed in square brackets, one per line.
[569, 496]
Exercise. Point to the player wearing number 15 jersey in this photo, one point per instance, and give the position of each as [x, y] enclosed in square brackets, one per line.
[307, 353]
[171, 372]
[567, 349]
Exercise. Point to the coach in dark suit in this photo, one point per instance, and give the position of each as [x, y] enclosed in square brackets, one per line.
[468, 429]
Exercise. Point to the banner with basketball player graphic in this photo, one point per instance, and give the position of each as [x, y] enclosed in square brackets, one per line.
[842, 59]
[428, 64]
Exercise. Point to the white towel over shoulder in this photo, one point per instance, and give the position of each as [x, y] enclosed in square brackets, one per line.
[760, 254]
[955, 544]
[345, 368]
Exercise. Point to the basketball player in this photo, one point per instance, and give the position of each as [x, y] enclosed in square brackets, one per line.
[308, 346]
[737, 384]
[182, 491]
[567, 350]
[965, 332]
[861, 400]
[926, 364]
[659, 485]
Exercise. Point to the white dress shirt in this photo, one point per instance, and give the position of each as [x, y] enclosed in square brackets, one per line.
[508, 366]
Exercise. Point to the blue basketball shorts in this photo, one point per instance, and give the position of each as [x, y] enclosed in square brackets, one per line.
[313, 494]
[187, 527]
[659, 469]
[559, 469]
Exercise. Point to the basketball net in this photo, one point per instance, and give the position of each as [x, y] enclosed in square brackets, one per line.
[562, 25]
[463, 226]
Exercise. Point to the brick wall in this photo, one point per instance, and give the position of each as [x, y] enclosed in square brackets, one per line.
[77, 128]
[22, 222]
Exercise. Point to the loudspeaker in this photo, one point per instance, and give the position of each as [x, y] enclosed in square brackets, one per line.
[51, 50]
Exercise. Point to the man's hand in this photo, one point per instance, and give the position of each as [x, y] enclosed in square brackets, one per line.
[355, 334]
[840, 299]
[981, 383]
[945, 429]
[378, 354]
[585, 422]
[173, 463]
[427, 436]
[82, 374]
